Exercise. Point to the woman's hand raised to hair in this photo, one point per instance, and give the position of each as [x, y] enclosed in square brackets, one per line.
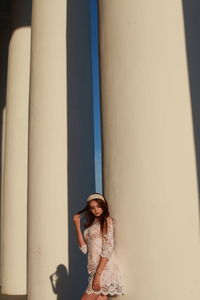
[81, 241]
[77, 220]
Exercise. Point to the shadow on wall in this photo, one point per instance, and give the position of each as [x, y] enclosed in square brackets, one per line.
[6, 297]
[60, 282]
[191, 10]
[81, 156]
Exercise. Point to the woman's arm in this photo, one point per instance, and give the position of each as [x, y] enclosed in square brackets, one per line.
[81, 241]
[101, 265]
[96, 280]
[107, 249]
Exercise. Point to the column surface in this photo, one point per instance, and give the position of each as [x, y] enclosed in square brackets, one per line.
[2, 179]
[4, 42]
[14, 213]
[149, 165]
[47, 176]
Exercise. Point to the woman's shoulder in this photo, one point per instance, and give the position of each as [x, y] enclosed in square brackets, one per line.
[110, 220]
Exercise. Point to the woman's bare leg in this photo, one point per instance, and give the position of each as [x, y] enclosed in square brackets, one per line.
[89, 297]
[102, 297]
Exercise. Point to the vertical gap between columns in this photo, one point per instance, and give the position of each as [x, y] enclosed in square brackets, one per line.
[96, 95]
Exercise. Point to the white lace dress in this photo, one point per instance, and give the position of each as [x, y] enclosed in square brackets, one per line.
[96, 247]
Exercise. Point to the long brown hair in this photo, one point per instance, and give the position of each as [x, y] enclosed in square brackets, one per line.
[89, 217]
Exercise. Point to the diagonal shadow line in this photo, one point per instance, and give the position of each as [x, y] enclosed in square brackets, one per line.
[191, 12]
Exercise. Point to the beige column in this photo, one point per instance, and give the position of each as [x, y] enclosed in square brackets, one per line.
[2, 181]
[149, 162]
[47, 202]
[4, 40]
[14, 225]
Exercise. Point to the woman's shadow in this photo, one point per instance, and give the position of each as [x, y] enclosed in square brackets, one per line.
[60, 282]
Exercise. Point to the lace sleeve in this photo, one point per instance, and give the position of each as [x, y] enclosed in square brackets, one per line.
[83, 248]
[108, 240]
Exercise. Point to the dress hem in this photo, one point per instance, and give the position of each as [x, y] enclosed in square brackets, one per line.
[103, 293]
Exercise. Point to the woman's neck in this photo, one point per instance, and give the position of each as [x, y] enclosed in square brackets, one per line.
[96, 220]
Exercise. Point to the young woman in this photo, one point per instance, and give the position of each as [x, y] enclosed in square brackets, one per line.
[98, 242]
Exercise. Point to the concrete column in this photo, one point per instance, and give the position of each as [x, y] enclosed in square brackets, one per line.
[2, 181]
[149, 165]
[4, 42]
[14, 231]
[47, 198]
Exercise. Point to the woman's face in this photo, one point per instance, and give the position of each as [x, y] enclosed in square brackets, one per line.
[95, 208]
